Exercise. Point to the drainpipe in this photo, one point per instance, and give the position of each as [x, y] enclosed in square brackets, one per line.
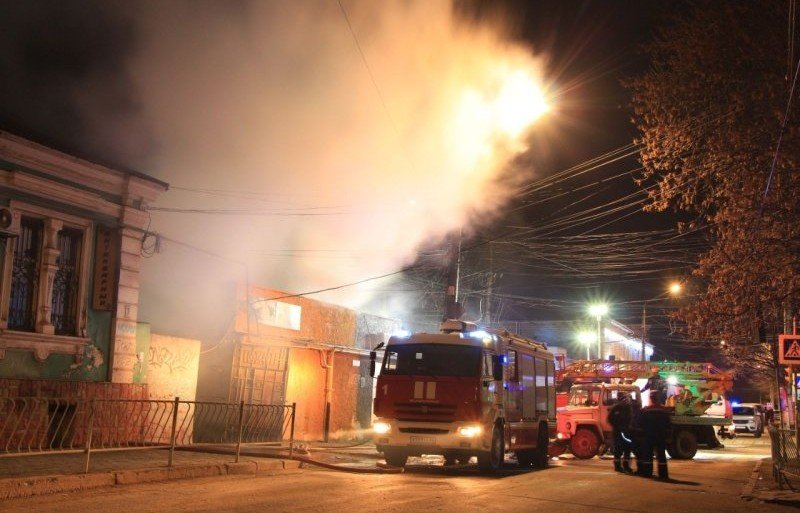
[326, 360]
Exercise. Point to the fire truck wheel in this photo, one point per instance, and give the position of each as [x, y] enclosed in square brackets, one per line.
[541, 455]
[491, 460]
[395, 459]
[584, 444]
[683, 446]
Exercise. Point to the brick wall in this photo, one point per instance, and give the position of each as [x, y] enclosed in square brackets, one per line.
[52, 414]
[70, 389]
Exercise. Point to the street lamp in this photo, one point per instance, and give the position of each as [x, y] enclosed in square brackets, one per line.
[599, 310]
[587, 338]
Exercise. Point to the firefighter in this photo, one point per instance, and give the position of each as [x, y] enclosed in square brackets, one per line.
[656, 385]
[654, 423]
[620, 416]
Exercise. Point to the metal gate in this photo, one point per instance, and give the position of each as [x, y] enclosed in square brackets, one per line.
[258, 375]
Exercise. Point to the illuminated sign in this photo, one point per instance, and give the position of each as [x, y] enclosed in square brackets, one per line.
[789, 349]
[278, 314]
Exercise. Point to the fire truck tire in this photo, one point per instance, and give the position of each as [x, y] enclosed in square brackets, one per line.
[394, 458]
[491, 460]
[683, 446]
[541, 456]
[584, 444]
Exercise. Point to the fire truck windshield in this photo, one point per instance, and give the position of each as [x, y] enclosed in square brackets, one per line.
[432, 360]
[584, 396]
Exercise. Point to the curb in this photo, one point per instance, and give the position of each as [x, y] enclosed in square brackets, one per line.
[749, 486]
[13, 488]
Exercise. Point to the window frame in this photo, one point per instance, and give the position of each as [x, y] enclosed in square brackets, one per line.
[54, 221]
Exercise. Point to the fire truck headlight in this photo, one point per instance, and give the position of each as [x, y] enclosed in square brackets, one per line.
[470, 431]
[381, 428]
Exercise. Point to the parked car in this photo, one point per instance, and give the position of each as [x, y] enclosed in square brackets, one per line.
[749, 418]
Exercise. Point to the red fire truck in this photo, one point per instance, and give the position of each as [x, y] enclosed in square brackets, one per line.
[465, 392]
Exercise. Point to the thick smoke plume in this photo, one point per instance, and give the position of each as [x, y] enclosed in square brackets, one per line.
[307, 165]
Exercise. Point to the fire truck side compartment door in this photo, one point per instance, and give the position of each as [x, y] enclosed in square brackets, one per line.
[527, 372]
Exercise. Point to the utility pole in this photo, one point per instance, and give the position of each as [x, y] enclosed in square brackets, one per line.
[600, 337]
[489, 284]
[452, 309]
[644, 331]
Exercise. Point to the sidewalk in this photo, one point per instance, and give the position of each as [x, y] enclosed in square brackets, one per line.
[763, 487]
[24, 476]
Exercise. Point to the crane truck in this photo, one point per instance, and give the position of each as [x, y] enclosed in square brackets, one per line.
[592, 387]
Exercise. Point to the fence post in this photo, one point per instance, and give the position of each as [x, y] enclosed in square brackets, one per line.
[241, 428]
[89, 437]
[291, 432]
[173, 434]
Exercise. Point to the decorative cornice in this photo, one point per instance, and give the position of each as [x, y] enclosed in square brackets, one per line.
[55, 191]
[88, 174]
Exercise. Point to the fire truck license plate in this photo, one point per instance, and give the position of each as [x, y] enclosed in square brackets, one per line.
[423, 440]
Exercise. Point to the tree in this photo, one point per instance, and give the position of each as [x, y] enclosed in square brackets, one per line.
[710, 111]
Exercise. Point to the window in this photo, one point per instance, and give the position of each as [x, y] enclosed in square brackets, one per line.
[65, 284]
[391, 361]
[487, 365]
[432, 360]
[44, 280]
[25, 275]
[580, 396]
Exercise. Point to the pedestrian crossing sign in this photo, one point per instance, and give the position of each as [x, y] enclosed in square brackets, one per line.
[789, 349]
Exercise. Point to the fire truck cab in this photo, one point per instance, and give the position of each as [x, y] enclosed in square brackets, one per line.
[465, 392]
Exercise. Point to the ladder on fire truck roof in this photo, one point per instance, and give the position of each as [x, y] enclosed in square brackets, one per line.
[601, 370]
[518, 338]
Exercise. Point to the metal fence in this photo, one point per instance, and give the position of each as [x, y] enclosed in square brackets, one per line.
[34, 425]
[785, 457]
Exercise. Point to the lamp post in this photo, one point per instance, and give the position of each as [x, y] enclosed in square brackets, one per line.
[587, 338]
[598, 311]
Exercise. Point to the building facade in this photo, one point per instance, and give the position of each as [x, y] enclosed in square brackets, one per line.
[622, 343]
[71, 234]
[298, 350]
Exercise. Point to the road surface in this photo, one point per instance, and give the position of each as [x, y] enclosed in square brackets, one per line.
[711, 483]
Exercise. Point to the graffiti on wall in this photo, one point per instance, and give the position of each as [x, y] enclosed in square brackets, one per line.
[176, 361]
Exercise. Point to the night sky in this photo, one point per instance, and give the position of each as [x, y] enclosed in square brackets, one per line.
[65, 75]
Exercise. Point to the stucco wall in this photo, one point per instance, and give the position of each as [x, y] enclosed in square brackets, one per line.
[172, 365]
